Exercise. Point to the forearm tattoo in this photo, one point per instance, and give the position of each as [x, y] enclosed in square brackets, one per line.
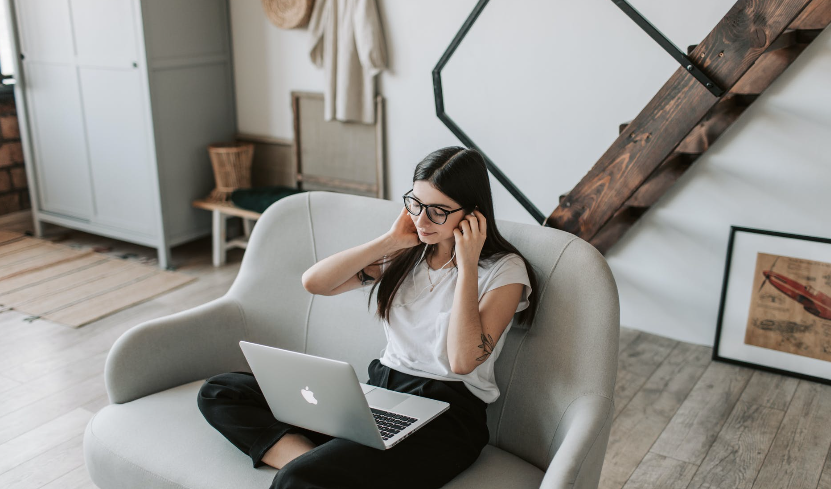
[364, 278]
[486, 346]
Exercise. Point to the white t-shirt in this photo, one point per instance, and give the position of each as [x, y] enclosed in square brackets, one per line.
[419, 320]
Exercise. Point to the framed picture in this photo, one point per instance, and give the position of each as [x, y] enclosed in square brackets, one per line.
[775, 311]
[337, 156]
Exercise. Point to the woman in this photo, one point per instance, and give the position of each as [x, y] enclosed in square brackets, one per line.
[448, 288]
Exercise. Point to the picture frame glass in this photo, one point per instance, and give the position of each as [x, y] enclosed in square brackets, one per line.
[776, 309]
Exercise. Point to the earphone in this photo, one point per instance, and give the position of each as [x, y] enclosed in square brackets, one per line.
[427, 286]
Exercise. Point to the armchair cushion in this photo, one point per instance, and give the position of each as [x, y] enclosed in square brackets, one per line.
[129, 436]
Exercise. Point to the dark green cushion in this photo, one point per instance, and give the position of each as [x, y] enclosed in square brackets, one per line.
[259, 198]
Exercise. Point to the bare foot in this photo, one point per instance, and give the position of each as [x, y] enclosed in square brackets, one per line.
[287, 448]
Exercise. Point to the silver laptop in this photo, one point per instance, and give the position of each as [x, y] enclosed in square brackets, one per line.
[324, 395]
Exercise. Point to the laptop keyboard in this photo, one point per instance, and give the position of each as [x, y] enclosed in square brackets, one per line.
[390, 424]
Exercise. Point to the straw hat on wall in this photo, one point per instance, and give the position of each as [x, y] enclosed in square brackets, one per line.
[288, 14]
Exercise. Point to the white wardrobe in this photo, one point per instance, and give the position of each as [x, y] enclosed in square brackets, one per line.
[122, 98]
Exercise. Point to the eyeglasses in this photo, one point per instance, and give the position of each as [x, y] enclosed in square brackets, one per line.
[434, 212]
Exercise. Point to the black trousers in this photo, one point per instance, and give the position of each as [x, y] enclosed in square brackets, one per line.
[234, 404]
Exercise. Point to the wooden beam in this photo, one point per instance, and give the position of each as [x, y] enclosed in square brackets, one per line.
[712, 125]
[616, 227]
[725, 55]
[788, 38]
[767, 69]
[817, 15]
[726, 111]
[662, 179]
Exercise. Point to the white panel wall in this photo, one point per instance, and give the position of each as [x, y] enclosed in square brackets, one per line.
[542, 86]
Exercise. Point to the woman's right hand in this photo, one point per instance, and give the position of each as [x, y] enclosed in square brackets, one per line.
[403, 233]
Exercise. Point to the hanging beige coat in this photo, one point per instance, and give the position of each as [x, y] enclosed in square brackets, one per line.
[348, 42]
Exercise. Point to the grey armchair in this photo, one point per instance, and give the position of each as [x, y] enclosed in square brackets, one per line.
[549, 428]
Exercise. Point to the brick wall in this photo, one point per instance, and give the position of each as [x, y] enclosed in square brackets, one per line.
[14, 189]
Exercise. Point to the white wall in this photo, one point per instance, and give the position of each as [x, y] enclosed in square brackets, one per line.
[541, 87]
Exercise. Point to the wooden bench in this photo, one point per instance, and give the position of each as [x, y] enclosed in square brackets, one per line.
[221, 212]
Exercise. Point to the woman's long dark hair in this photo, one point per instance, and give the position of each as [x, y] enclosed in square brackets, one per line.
[462, 175]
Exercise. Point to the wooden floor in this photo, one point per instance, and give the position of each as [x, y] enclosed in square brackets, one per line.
[681, 421]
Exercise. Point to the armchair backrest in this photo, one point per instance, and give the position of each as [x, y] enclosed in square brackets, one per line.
[569, 351]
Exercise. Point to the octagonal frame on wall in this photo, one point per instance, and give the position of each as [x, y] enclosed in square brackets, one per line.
[457, 131]
[628, 9]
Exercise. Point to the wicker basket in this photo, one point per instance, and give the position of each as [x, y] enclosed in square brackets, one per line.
[232, 168]
[288, 14]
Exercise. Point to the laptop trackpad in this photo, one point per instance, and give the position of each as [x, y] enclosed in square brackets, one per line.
[385, 399]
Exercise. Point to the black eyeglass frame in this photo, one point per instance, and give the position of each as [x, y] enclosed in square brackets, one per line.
[424, 206]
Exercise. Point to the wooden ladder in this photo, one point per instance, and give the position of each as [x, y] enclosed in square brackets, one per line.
[749, 48]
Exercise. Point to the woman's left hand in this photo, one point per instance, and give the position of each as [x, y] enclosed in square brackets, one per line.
[470, 238]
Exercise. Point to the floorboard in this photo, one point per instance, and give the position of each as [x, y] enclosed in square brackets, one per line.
[647, 414]
[636, 363]
[738, 452]
[695, 426]
[825, 479]
[798, 454]
[656, 471]
[45, 468]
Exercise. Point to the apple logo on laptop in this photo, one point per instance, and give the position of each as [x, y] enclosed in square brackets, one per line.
[308, 395]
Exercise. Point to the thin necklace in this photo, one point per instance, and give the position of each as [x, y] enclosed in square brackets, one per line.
[446, 273]
[425, 287]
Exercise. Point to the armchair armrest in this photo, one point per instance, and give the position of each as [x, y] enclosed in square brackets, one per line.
[176, 349]
[580, 444]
